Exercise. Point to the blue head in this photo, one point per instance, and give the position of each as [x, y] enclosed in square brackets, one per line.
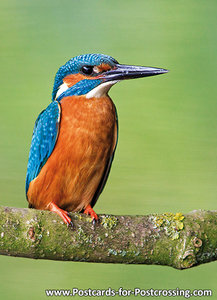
[93, 75]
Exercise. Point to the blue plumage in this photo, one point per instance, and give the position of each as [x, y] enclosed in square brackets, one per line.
[88, 135]
[74, 66]
[43, 140]
[46, 126]
[80, 88]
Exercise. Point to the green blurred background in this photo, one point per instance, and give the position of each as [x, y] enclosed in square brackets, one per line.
[166, 157]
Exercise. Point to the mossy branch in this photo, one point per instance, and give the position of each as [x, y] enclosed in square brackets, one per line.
[167, 239]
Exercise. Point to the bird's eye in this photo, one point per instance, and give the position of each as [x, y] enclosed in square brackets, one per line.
[88, 70]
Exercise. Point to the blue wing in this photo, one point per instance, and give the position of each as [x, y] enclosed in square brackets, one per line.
[43, 140]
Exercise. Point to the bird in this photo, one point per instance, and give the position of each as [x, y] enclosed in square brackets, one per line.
[74, 139]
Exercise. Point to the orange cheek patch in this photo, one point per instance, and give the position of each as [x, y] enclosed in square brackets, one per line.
[72, 79]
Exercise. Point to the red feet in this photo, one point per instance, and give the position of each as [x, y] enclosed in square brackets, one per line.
[62, 213]
[65, 216]
[89, 211]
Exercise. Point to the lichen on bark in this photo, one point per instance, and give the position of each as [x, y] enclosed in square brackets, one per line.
[176, 240]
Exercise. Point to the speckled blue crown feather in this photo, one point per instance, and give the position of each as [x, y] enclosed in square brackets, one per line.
[74, 65]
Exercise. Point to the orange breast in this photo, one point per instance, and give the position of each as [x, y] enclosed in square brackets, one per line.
[86, 140]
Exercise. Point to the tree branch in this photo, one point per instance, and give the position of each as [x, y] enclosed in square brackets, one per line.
[167, 239]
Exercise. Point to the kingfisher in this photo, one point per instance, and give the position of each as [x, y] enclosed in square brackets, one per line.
[75, 137]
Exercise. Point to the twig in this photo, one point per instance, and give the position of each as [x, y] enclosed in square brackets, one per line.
[167, 239]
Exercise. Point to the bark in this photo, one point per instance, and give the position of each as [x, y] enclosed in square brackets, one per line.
[180, 241]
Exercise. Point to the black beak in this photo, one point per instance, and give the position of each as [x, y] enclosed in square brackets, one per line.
[121, 72]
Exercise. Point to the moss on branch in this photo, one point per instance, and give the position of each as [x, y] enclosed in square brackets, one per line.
[176, 240]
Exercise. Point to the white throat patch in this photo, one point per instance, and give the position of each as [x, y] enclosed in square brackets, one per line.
[62, 88]
[101, 90]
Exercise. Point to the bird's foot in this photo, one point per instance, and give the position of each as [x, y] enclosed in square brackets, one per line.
[89, 211]
[62, 213]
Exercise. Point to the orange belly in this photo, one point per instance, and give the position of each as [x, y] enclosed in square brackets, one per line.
[86, 140]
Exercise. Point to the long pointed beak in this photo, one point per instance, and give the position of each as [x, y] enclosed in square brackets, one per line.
[121, 72]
